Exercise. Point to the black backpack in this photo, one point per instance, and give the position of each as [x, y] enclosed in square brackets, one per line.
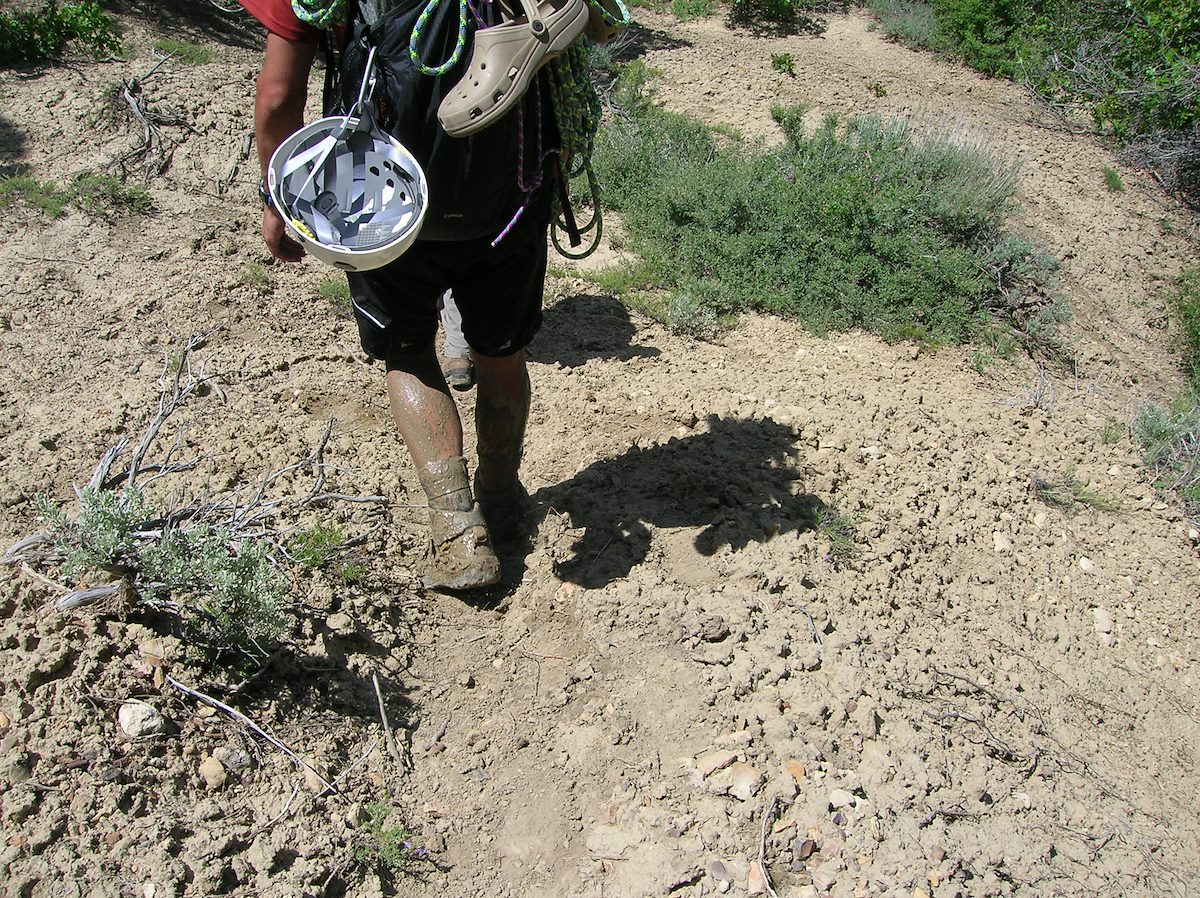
[473, 188]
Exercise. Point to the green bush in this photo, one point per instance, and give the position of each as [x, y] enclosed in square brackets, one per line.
[29, 37]
[779, 15]
[226, 595]
[686, 10]
[1170, 438]
[1134, 64]
[856, 225]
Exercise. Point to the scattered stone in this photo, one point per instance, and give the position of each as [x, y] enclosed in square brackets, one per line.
[340, 622]
[233, 757]
[1086, 565]
[840, 798]
[712, 761]
[826, 874]
[744, 781]
[1103, 620]
[1000, 543]
[796, 769]
[466, 680]
[713, 628]
[5, 723]
[356, 815]
[756, 882]
[139, 719]
[719, 872]
[212, 772]
[803, 849]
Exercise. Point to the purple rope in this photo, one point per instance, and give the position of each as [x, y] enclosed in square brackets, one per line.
[539, 154]
[479, 21]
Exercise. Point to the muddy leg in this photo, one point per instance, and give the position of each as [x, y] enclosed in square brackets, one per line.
[501, 411]
[461, 556]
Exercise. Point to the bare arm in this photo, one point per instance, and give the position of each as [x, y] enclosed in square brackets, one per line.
[278, 111]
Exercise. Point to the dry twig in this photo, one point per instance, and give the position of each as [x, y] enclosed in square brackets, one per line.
[392, 747]
[242, 718]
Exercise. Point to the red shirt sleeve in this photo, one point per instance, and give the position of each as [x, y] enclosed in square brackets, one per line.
[277, 17]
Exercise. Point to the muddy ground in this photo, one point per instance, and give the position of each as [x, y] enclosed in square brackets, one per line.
[983, 695]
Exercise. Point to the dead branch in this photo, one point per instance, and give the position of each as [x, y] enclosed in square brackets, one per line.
[768, 816]
[152, 147]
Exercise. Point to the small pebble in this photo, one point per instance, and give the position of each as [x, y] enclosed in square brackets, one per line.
[212, 772]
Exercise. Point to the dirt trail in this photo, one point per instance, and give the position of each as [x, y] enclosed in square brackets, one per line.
[985, 697]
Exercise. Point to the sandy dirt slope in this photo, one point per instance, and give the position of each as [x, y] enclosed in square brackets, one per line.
[986, 696]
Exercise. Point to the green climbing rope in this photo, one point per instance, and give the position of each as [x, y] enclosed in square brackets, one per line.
[320, 13]
[459, 45]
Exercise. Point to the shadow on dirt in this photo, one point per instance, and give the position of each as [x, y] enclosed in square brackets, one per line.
[196, 19]
[638, 40]
[739, 480]
[12, 148]
[584, 327]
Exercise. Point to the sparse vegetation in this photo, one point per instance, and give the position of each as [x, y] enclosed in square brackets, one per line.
[335, 290]
[839, 531]
[99, 196]
[1170, 437]
[784, 63]
[225, 592]
[1185, 324]
[33, 36]
[1112, 180]
[184, 51]
[389, 848]
[1113, 432]
[317, 545]
[780, 15]
[255, 276]
[855, 224]
[1068, 493]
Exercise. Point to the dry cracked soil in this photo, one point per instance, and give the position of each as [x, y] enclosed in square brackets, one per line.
[688, 672]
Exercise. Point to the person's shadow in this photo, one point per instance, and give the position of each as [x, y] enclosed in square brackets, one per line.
[738, 479]
[583, 327]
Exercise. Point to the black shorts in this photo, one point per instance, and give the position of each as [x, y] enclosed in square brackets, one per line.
[498, 291]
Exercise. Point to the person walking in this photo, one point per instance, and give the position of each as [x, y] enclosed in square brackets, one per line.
[475, 185]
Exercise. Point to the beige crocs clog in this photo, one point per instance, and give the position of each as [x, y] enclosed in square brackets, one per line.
[504, 61]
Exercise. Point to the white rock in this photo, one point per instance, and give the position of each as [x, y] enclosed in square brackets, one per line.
[138, 719]
[1086, 565]
[744, 781]
[1103, 620]
[1114, 471]
[1000, 543]
[840, 798]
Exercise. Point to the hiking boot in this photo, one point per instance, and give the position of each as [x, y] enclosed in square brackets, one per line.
[504, 510]
[460, 553]
[459, 373]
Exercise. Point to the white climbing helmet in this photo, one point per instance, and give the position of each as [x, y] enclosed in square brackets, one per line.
[352, 195]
